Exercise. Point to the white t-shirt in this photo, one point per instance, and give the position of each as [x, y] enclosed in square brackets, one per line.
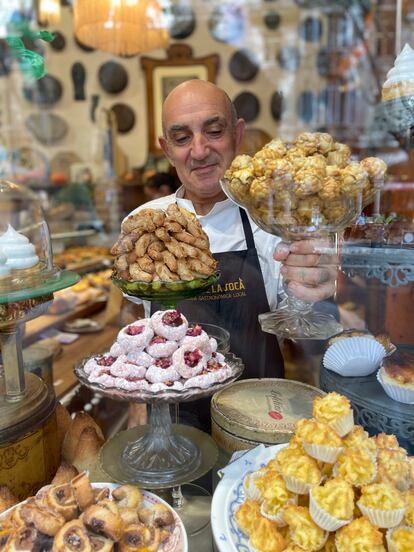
[224, 228]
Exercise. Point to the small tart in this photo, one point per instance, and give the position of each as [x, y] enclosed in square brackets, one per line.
[336, 497]
[317, 433]
[303, 531]
[394, 467]
[247, 515]
[359, 438]
[401, 539]
[334, 410]
[399, 369]
[265, 537]
[359, 536]
[356, 466]
[381, 495]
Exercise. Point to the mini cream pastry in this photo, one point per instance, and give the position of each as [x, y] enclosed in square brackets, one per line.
[384, 441]
[319, 440]
[248, 515]
[303, 531]
[356, 466]
[399, 370]
[300, 473]
[334, 410]
[409, 507]
[358, 438]
[359, 536]
[382, 504]
[275, 497]
[265, 537]
[336, 497]
[394, 468]
[401, 539]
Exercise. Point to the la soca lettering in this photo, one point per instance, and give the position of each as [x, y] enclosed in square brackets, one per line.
[228, 286]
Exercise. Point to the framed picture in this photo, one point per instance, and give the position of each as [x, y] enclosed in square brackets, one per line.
[162, 75]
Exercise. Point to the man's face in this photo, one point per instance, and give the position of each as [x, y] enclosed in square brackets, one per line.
[200, 140]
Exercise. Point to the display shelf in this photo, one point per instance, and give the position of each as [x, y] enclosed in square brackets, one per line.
[393, 266]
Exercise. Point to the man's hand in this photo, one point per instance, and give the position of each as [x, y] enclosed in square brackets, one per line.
[309, 272]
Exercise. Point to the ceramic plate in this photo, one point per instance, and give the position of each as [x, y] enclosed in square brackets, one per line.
[177, 542]
[229, 495]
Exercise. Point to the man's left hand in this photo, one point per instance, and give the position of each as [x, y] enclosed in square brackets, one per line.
[309, 273]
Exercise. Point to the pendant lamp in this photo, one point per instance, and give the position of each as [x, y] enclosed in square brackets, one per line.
[122, 27]
[49, 12]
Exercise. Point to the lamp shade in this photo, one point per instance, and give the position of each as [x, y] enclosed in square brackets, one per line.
[49, 12]
[123, 27]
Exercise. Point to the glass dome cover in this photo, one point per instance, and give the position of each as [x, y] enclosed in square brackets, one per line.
[25, 244]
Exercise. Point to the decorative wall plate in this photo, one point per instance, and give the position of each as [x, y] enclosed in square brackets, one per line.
[113, 77]
[289, 58]
[183, 21]
[78, 78]
[310, 29]
[277, 105]
[307, 106]
[45, 91]
[243, 65]
[59, 42]
[82, 46]
[47, 127]
[247, 106]
[227, 23]
[272, 20]
[125, 117]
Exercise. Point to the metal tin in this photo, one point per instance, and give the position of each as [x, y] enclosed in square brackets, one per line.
[39, 360]
[254, 411]
[29, 450]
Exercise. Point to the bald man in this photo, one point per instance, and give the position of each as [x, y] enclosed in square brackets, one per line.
[201, 136]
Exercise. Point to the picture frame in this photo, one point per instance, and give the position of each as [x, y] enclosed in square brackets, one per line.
[162, 75]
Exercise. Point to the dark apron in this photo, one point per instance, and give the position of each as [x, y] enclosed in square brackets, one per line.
[234, 303]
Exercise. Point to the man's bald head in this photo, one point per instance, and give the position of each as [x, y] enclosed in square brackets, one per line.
[200, 89]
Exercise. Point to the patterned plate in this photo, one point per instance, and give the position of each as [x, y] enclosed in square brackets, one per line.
[229, 495]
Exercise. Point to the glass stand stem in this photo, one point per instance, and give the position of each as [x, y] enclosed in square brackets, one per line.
[11, 348]
[177, 497]
[160, 452]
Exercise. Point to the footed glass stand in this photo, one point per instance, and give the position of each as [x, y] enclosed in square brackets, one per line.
[160, 450]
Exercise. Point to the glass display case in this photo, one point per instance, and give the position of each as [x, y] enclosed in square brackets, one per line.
[326, 91]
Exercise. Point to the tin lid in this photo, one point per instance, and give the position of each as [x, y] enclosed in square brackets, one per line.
[17, 418]
[36, 355]
[263, 410]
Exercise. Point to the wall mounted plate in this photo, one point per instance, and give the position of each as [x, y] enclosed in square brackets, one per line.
[45, 91]
[47, 127]
[82, 46]
[78, 72]
[227, 23]
[247, 106]
[310, 29]
[272, 20]
[113, 77]
[59, 42]
[125, 117]
[183, 21]
[277, 105]
[243, 65]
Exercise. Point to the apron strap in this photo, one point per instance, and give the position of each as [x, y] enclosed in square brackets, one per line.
[247, 229]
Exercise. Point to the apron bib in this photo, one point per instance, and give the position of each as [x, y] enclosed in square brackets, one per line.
[234, 303]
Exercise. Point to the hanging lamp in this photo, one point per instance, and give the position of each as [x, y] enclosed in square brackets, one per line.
[49, 12]
[122, 27]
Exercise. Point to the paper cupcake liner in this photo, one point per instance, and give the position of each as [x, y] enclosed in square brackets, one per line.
[388, 537]
[354, 356]
[343, 425]
[318, 547]
[385, 519]
[278, 518]
[250, 489]
[322, 518]
[323, 452]
[396, 392]
[295, 485]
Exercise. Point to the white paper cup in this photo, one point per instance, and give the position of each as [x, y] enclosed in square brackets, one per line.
[395, 391]
[295, 485]
[343, 425]
[278, 518]
[250, 489]
[354, 356]
[318, 547]
[336, 473]
[388, 537]
[322, 518]
[385, 519]
[323, 452]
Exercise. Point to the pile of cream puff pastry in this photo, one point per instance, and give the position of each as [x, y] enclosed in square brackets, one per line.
[164, 246]
[77, 517]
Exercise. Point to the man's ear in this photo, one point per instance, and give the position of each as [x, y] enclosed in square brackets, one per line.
[240, 128]
[166, 149]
